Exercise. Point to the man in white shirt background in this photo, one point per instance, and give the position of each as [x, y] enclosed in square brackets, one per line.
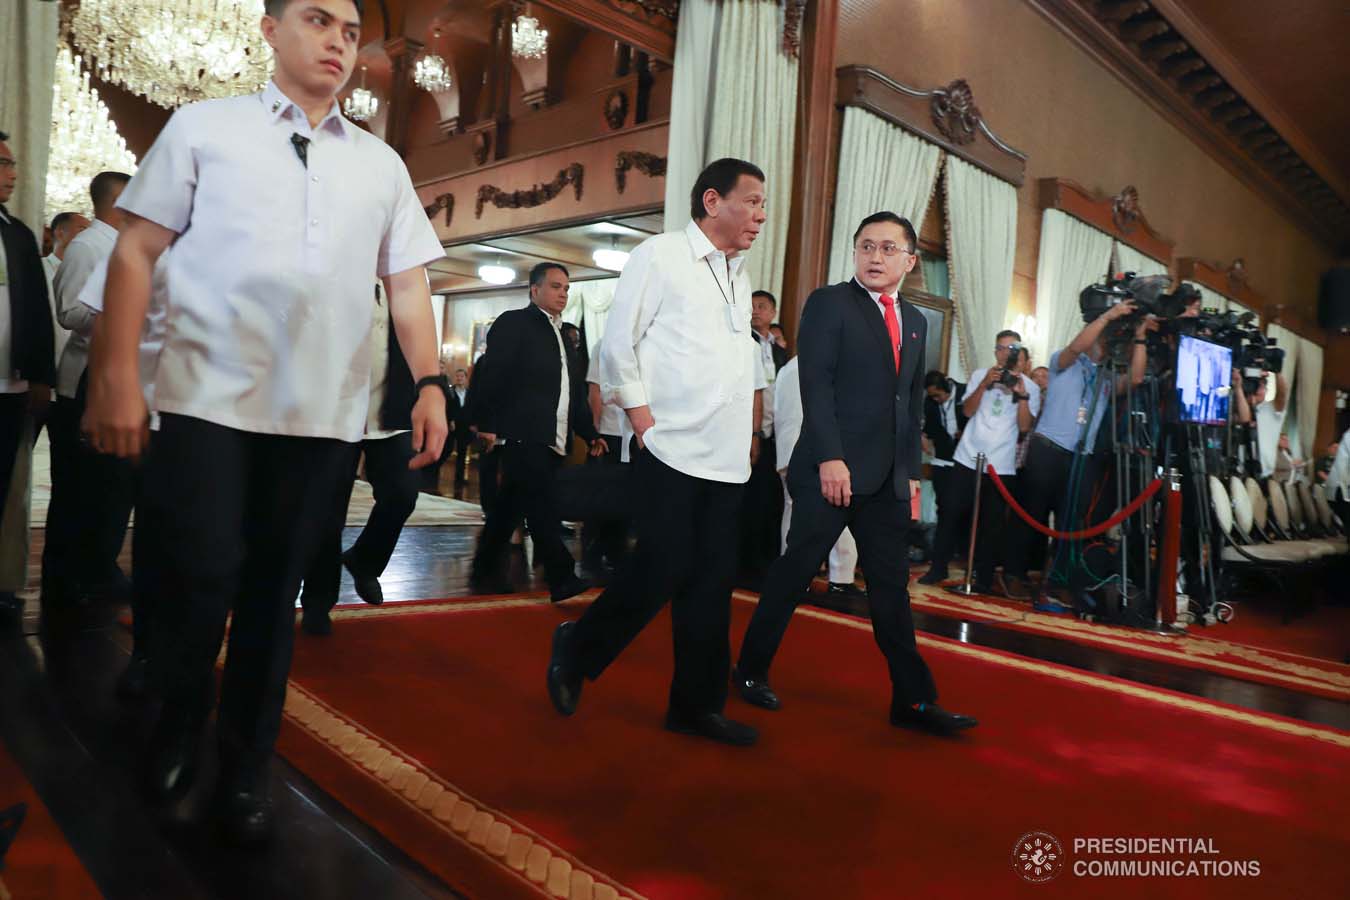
[280, 214]
[678, 357]
[604, 543]
[1003, 405]
[762, 510]
[1269, 414]
[65, 226]
[91, 495]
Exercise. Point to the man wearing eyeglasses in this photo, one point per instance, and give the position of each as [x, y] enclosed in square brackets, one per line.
[856, 466]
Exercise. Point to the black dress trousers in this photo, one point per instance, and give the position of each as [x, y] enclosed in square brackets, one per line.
[687, 536]
[242, 516]
[879, 522]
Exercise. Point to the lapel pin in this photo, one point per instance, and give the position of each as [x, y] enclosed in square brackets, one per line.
[276, 104]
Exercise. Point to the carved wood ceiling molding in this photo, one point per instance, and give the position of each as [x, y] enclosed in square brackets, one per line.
[1230, 280]
[1120, 216]
[648, 25]
[1134, 39]
[946, 116]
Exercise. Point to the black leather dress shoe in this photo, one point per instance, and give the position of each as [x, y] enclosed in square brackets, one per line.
[930, 718]
[173, 754]
[714, 727]
[564, 684]
[846, 591]
[11, 609]
[933, 576]
[367, 586]
[569, 588]
[319, 624]
[754, 691]
[134, 681]
[245, 816]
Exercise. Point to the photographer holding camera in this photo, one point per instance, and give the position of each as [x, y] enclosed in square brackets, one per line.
[1269, 416]
[1075, 404]
[1003, 403]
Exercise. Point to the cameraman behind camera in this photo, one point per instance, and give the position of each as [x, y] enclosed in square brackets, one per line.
[1075, 404]
[1003, 403]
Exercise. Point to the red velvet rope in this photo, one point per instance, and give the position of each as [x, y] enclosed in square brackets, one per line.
[1087, 532]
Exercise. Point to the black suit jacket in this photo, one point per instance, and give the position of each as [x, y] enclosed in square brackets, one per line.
[944, 445]
[32, 342]
[517, 395]
[855, 406]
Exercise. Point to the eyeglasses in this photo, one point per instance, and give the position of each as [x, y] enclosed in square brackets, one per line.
[7, 163]
[889, 248]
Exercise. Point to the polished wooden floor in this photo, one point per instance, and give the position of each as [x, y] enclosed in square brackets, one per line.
[79, 747]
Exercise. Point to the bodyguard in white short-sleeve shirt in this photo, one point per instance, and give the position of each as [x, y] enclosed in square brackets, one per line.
[270, 277]
[272, 215]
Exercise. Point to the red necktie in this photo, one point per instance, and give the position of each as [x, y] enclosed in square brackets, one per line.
[893, 326]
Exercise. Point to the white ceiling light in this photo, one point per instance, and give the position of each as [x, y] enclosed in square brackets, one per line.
[610, 258]
[361, 105]
[497, 274]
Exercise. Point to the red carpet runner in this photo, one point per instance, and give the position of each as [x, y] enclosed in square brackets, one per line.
[432, 723]
[39, 864]
[1301, 655]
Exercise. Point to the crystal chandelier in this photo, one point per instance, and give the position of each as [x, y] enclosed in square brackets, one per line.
[431, 73]
[175, 51]
[84, 141]
[361, 105]
[528, 40]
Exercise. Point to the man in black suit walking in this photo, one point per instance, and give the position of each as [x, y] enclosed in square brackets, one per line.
[461, 436]
[533, 398]
[856, 466]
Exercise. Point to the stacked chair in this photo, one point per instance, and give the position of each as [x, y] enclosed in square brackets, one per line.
[1279, 533]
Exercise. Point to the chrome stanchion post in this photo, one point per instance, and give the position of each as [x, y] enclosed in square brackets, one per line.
[965, 589]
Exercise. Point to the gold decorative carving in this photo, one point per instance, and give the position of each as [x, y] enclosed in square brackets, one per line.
[648, 164]
[955, 113]
[531, 197]
[1125, 210]
[442, 202]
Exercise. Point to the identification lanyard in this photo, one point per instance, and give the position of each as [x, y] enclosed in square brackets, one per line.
[730, 302]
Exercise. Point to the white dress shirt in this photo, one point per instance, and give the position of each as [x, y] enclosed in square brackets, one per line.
[8, 383]
[612, 418]
[83, 255]
[787, 412]
[152, 333]
[379, 373]
[50, 263]
[1269, 424]
[1338, 479]
[678, 340]
[765, 346]
[993, 429]
[269, 278]
[564, 386]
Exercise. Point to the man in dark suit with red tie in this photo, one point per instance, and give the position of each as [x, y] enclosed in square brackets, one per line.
[857, 466]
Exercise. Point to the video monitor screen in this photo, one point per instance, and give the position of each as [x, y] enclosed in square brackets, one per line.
[1204, 378]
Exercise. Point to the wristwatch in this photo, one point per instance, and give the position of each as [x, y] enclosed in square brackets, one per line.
[439, 381]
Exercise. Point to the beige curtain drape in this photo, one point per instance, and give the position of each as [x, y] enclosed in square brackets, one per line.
[881, 167]
[1073, 255]
[981, 241]
[754, 117]
[28, 32]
